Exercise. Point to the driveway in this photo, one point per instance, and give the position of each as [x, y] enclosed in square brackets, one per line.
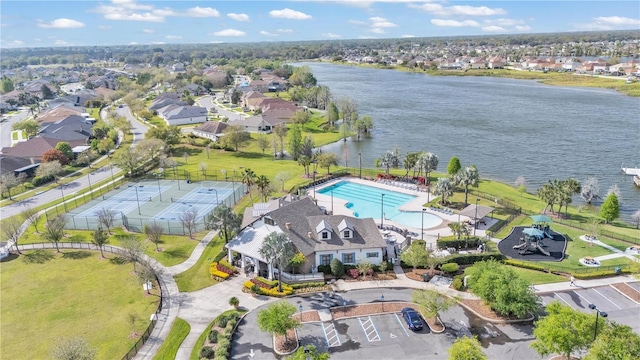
[208, 103]
[5, 127]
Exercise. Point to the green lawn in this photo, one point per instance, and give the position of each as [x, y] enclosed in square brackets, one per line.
[48, 296]
[198, 276]
[175, 248]
[537, 277]
[169, 348]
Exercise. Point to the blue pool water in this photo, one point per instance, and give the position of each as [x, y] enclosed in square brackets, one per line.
[365, 202]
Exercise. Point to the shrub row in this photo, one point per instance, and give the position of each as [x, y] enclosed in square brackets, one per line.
[469, 259]
[307, 284]
[41, 180]
[224, 269]
[450, 267]
[524, 265]
[458, 243]
[217, 274]
[260, 284]
[598, 274]
[225, 263]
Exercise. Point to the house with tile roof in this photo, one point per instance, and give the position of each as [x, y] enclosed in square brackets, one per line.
[59, 112]
[318, 236]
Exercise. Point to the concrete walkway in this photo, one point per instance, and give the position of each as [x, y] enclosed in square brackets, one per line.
[195, 255]
[610, 248]
[585, 284]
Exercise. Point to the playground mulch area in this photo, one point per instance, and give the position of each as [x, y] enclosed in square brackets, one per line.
[556, 246]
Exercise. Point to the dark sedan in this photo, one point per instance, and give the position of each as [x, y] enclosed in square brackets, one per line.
[413, 319]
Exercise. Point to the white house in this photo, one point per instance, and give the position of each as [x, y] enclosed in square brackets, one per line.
[211, 130]
[319, 237]
[181, 114]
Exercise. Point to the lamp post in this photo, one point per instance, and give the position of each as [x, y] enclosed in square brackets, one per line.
[315, 168]
[160, 173]
[138, 200]
[63, 202]
[90, 189]
[382, 212]
[300, 308]
[382, 302]
[360, 164]
[598, 313]
[475, 218]
[217, 201]
[112, 183]
[422, 225]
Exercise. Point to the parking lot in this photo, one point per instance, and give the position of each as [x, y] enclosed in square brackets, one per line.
[618, 307]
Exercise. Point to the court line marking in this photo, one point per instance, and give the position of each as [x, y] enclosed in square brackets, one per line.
[401, 325]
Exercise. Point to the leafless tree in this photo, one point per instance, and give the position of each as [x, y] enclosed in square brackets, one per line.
[132, 249]
[11, 230]
[188, 220]
[203, 168]
[146, 274]
[31, 215]
[154, 233]
[636, 218]
[106, 218]
[54, 230]
[73, 349]
[9, 180]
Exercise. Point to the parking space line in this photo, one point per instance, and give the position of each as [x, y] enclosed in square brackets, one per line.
[583, 298]
[369, 329]
[400, 322]
[331, 336]
[598, 292]
[565, 301]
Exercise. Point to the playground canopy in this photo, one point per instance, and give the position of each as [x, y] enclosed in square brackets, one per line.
[533, 232]
[540, 219]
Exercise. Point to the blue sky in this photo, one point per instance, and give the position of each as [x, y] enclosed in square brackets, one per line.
[122, 22]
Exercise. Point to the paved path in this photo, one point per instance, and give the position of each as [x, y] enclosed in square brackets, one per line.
[611, 248]
[195, 255]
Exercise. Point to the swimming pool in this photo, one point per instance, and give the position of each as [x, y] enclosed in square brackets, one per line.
[365, 202]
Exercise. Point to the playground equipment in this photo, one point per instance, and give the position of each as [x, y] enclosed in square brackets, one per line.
[531, 241]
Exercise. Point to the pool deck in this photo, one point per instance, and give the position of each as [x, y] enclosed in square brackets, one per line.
[430, 234]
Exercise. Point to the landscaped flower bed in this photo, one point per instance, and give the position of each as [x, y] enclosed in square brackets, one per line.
[268, 287]
[217, 274]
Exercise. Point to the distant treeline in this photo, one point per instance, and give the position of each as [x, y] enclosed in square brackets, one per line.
[580, 44]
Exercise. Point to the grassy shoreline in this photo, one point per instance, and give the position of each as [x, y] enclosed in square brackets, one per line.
[549, 78]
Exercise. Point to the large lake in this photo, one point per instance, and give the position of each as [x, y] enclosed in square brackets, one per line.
[507, 128]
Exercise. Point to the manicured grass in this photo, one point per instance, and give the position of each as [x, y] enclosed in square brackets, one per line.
[169, 348]
[195, 353]
[175, 248]
[537, 277]
[198, 276]
[48, 296]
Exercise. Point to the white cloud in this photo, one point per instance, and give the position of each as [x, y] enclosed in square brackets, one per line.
[285, 31]
[158, 42]
[104, 27]
[229, 32]
[17, 42]
[358, 22]
[202, 12]
[129, 10]
[331, 35]
[523, 28]
[148, 31]
[287, 13]
[266, 33]
[378, 24]
[60, 42]
[133, 43]
[458, 10]
[454, 23]
[173, 37]
[62, 23]
[408, 36]
[617, 20]
[493, 28]
[238, 17]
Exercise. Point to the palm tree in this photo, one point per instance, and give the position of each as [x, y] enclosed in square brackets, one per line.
[465, 177]
[443, 188]
[263, 182]
[278, 250]
[248, 177]
[225, 220]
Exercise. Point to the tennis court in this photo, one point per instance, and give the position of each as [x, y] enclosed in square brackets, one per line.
[127, 200]
[203, 200]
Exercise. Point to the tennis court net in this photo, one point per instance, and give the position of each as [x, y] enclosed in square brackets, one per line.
[192, 201]
[117, 198]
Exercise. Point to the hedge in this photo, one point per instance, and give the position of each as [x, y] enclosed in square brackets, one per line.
[41, 180]
[598, 274]
[217, 274]
[307, 284]
[524, 265]
[450, 267]
[226, 264]
[458, 243]
[469, 259]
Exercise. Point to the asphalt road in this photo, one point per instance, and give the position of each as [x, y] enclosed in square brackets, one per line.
[392, 342]
[83, 182]
[207, 102]
[5, 127]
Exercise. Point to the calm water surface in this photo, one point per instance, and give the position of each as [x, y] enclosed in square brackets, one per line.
[507, 128]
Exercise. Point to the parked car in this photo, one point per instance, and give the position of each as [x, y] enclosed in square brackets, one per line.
[413, 319]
